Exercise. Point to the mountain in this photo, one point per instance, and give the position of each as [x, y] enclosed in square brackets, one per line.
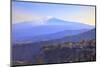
[69, 24]
[52, 27]
[88, 35]
[57, 35]
[29, 51]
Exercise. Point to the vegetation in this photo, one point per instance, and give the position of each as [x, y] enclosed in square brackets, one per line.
[82, 51]
[70, 52]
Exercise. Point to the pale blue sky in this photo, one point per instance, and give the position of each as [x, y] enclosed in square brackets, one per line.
[27, 11]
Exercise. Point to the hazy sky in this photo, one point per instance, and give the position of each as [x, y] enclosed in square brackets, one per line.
[26, 11]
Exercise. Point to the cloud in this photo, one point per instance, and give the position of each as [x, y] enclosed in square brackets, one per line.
[22, 16]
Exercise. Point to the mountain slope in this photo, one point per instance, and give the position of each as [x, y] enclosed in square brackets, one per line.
[28, 51]
[69, 24]
[27, 30]
[88, 35]
[57, 35]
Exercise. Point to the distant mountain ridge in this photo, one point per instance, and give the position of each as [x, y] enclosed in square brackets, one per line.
[57, 35]
[27, 30]
[56, 21]
[88, 35]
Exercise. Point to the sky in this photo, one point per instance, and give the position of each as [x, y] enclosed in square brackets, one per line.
[36, 12]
